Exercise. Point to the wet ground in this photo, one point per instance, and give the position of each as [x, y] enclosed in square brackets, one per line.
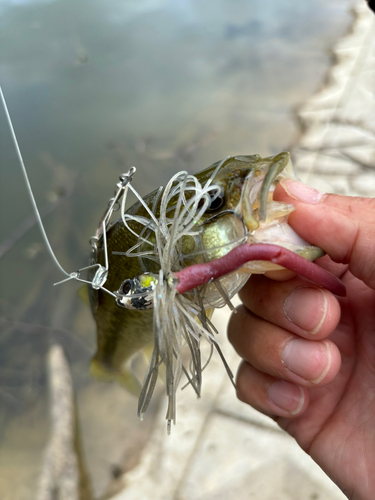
[94, 88]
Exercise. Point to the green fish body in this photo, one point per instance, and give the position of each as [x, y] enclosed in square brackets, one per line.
[240, 210]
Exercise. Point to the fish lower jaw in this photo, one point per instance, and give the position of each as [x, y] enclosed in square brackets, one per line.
[282, 234]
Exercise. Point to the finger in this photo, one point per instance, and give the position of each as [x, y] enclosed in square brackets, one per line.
[332, 267]
[281, 354]
[270, 395]
[343, 226]
[295, 305]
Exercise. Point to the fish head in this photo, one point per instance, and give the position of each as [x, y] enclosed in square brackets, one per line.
[242, 208]
[251, 172]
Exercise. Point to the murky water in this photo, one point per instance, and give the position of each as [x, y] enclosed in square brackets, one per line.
[93, 88]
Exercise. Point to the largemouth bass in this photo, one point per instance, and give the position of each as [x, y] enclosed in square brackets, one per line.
[157, 272]
[173, 232]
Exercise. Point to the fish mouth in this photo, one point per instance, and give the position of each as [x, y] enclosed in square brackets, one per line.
[266, 220]
[256, 203]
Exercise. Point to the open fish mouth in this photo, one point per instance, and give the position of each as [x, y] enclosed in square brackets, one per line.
[266, 219]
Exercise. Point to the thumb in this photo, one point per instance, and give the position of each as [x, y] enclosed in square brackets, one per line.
[343, 226]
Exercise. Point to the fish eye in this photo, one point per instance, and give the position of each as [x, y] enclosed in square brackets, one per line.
[126, 287]
[217, 201]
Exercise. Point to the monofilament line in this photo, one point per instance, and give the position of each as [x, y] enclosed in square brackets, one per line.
[33, 202]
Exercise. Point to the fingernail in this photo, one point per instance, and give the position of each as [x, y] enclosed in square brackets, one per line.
[306, 307]
[301, 192]
[289, 397]
[307, 359]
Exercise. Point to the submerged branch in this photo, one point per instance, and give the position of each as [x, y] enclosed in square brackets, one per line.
[63, 474]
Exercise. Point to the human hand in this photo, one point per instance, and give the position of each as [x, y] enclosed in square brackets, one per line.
[309, 357]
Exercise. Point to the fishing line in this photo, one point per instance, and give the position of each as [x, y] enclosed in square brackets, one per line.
[28, 186]
[70, 276]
